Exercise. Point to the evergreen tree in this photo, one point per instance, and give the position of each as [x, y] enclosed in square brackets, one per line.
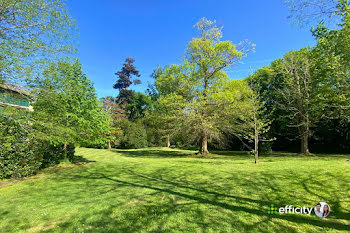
[124, 82]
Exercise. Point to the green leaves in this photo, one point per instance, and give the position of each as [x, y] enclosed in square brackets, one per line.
[67, 109]
[32, 33]
[198, 95]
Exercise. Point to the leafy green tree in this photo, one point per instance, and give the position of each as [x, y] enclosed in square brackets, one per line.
[190, 90]
[66, 110]
[133, 134]
[257, 123]
[299, 95]
[117, 114]
[160, 125]
[332, 64]
[138, 105]
[290, 90]
[32, 33]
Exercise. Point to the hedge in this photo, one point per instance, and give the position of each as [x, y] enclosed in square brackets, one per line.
[23, 155]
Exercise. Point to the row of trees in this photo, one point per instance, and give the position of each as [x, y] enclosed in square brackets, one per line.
[308, 91]
[195, 102]
[303, 96]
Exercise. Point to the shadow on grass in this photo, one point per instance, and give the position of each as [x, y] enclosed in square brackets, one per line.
[174, 153]
[215, 154]
[181, 192]
[78, 159]
[154, 153]
[194, 194]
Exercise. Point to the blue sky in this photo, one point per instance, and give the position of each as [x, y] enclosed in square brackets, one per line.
[156, 32]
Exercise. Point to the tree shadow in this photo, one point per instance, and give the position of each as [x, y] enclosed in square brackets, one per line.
[192, 193]
[243, 154]
[154, 153]
[78, 159]
[172, 192]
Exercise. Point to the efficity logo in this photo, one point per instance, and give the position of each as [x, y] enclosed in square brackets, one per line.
[289, 209]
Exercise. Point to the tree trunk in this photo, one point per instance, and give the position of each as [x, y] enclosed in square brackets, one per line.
[65, 144]
[109, 145]
[304, 141]
[168, 141]
[204, 145]
[65, 150]
[256, 143]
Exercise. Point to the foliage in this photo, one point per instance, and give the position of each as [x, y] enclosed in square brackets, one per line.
[196, 92]
[66, 110]
[133, 134]
[332, 59]
[21, 154]
[115, 110]
[138, 105]
[307, 91]
[17, 158]
[33, 33]
[302, 90]
[124, 82]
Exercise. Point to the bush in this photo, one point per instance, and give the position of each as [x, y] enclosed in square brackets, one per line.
[53, 154]
[17, 158]
[134, 134]
[22, 155]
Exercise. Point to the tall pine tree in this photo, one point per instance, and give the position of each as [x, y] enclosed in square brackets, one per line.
[124, 81]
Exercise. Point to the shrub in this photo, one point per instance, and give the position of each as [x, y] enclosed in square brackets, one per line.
[53, 154]
[17, 158]
[134, 134]
[21, 154]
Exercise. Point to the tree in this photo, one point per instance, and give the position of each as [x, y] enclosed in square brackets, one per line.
[267, 83]
[111, 105]
[32, 33]
[297, 95]
[258, 123]
[124, 82]
[133, 134]
[190, 90]
[117, 114]
[160, 125]
[306, 12]
[138, 105]
[332, 64]
[66, 109]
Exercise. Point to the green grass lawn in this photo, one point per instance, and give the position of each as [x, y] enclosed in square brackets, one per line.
[169, 190]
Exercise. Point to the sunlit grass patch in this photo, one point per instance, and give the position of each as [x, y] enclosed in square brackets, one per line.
[170, 190]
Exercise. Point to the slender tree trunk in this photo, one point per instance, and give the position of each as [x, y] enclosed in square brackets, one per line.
[109, 145]
[304, 140]
[65, 144]
[65, 150]
[256, 142]
[204, 146]
[256, 152]
[168, 141]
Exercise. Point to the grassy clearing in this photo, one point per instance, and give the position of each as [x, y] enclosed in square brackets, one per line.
[168, 190]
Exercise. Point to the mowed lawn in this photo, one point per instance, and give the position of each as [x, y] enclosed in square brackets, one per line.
[169, 190]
